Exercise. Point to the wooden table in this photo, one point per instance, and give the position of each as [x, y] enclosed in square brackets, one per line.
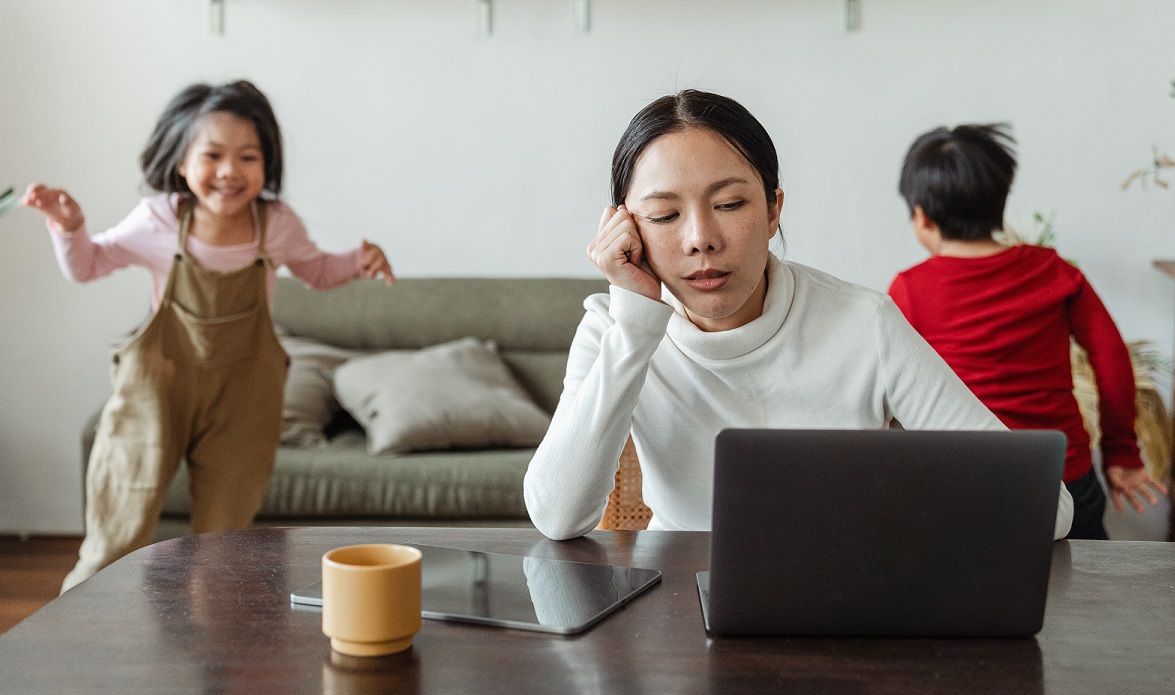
[211, 614]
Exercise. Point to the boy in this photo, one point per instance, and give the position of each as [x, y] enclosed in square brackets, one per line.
[1002, 317]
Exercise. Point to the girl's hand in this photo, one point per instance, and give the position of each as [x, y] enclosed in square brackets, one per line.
[373, 263]
[1132, 485]
[619, 252]
[56, 205]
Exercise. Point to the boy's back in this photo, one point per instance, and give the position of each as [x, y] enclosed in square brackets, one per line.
[1003, 322]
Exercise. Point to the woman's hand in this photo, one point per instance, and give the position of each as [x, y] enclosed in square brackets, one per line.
[1132, 485]
[619, 252]
[373, 263]
[56, 205]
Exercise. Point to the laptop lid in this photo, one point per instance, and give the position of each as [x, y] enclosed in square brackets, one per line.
[885, 533]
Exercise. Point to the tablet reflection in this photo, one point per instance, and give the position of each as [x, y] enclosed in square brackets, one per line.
[518, 591]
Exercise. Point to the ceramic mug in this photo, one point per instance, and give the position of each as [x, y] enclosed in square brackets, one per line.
[371, 598]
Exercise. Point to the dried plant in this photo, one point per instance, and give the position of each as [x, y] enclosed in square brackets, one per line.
[1159, 162]
[1042, 234]
[1151, 173]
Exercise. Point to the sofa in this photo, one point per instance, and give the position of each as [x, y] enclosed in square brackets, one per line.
[529, 323]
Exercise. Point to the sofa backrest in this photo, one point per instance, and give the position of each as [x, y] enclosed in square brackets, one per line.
[532, 320]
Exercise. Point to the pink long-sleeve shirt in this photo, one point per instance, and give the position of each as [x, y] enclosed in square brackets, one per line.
[147, 237]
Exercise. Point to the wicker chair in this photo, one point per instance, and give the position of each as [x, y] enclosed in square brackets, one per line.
[1152, 426]
[626, 510]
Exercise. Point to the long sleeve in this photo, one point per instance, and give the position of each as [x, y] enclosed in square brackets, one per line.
[924, 393]
[567, 484]
[290, 245]
[131, 242]
[1095, 331]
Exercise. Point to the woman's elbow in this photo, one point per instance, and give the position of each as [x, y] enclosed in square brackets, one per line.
[551, 521]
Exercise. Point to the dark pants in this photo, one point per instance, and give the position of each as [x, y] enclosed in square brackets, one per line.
[1089, 503]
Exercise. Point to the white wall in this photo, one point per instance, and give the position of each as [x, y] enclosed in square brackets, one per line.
[490, 156]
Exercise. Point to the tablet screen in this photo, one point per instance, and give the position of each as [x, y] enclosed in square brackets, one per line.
[529, 593]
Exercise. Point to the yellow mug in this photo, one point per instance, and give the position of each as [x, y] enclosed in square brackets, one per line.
[371, 598]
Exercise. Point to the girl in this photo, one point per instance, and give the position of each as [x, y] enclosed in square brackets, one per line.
[203, 379]
[703, 329]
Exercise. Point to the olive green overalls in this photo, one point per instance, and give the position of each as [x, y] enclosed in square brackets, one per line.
[202, 380]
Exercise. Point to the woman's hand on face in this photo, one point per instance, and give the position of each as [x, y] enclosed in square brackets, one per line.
[55, 204]
[619, 252]
[373, 263]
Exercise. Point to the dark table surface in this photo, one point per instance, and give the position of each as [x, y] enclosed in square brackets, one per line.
[211, 614]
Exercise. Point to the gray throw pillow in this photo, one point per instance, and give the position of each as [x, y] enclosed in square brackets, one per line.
[457, 394]
[309, 402]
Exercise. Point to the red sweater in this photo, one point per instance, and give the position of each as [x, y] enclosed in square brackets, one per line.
[1003, 324]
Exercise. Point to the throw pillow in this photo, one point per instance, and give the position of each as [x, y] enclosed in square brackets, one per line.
[309, 402]
[457, 394]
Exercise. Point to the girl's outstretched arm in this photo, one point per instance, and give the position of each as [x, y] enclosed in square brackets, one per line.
[56, 204]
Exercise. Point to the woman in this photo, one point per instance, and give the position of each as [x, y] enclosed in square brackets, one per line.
[704, 329]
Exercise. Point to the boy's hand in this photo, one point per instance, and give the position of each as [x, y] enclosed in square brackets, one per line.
[373, 263]
[56, 205]
[618, 251]
[1132, 485]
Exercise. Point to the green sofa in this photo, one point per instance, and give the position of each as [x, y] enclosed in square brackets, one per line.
[532, 321]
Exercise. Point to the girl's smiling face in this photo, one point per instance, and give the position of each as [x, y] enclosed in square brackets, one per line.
[705, 224]
[224, 165]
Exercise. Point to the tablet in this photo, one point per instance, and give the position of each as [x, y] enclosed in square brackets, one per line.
[527, 593]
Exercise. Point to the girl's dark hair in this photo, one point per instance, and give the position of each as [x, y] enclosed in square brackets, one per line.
[961, 178]
[691, 108]
[173, 133]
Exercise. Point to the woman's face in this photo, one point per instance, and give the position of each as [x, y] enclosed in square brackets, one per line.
[705, 224]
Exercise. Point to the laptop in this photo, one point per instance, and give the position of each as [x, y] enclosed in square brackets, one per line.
[881, 532]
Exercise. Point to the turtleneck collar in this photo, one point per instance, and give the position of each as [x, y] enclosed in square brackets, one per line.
[727, 345]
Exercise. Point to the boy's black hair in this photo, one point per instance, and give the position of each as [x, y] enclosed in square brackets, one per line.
[692, 108]
[169, 142]
[960, 178]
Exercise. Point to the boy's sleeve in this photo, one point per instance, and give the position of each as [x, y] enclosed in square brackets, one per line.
[1095, 331]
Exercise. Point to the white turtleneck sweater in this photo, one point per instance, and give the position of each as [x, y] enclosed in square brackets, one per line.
[825, 354]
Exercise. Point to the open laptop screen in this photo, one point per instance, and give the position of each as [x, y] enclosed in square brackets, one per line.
[865, 532]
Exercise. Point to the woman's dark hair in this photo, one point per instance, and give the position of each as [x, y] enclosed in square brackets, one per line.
[173, 133]
[691, 108]
[960, 178]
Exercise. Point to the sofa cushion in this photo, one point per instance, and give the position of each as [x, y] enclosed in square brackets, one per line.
[519, 314]
[540, 373]
[457, 394]
[340, 480]
[309, 402]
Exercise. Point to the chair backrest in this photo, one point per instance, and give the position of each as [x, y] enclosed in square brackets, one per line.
[626, 510]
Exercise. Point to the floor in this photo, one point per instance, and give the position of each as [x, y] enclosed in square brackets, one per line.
[31, 572]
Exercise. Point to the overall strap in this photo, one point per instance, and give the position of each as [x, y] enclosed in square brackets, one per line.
[262, 207]
[184, 214]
